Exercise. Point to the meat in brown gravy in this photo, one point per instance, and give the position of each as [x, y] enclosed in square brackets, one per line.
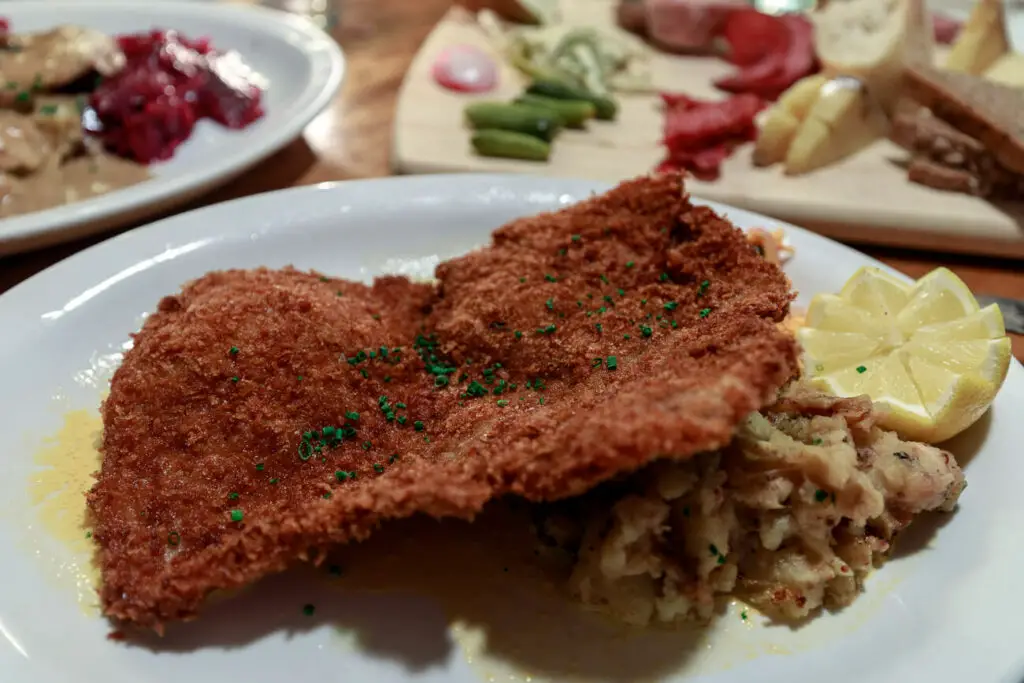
[45, 158]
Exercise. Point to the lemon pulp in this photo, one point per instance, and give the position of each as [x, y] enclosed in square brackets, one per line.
[925, 351]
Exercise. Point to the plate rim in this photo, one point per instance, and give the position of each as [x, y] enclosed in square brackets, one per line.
[294, 195]
[103, 213]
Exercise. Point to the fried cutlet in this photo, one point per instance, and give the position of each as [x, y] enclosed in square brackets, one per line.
[263, 415]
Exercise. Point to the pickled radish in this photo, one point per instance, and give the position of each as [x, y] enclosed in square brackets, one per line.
[464, 68]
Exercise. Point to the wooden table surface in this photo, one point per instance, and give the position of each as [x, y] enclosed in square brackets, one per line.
[351, 138]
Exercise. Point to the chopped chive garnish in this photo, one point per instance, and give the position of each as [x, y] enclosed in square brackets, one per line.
[237, 515]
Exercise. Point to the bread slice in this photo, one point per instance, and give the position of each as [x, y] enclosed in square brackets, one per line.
[921, 131]
[982, 40]
[932, 174]
[987, 111]
[948, 159]
[872, 41]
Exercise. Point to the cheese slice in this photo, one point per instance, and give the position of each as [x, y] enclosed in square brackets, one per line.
[982, 40]
[843, 121]
[1007, 70]
[872, 40]
[780, 125]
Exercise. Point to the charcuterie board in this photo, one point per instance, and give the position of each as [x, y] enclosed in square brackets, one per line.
[865, 198]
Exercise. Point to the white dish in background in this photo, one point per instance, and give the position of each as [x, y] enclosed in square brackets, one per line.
[303, 65]
[945, 613]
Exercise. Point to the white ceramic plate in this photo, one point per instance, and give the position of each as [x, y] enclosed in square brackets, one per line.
[946, 610]
[303, 65]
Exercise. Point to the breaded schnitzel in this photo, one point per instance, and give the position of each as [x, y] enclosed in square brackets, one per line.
[264, 415]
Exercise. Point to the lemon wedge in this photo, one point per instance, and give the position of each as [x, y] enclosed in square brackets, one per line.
[924, 351]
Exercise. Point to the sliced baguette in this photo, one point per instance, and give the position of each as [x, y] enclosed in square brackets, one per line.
[872, 41]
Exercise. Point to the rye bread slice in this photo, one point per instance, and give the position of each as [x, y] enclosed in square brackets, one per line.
[923, 133]
[984, 110]
[948, 159]
[924, 171]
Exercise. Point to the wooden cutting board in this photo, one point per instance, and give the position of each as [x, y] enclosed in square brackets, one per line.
[865, 198]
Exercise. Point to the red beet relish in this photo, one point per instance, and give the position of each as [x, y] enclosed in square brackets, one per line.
[167, 85]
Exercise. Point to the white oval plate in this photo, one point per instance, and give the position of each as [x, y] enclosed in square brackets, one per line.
[947, 613]
[303, 65]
